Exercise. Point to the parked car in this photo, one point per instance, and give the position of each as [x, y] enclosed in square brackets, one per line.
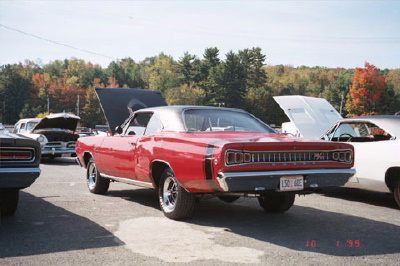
[188, 151]
[84, 132]
[19, 168]
[376, 141]
[55, 133]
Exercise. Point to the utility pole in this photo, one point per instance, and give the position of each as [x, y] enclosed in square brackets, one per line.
[77, 105]
[341, 104]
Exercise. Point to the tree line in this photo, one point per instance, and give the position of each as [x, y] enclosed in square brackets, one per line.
[240, 80]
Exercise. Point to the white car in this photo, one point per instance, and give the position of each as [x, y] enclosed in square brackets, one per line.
[376, 140]
[55, 133]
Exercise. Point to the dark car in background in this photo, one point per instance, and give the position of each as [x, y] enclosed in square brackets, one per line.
[19, 168]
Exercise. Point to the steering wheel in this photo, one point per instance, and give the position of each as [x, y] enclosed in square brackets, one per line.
[345, 134]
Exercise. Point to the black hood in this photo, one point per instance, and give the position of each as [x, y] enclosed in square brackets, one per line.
[116, 103]
[59, 120]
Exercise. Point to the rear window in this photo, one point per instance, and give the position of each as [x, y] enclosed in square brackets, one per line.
[222, 120]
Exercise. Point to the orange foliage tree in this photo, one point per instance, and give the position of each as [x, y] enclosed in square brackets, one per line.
[368, 93]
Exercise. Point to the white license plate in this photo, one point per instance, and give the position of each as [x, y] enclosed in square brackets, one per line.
[66, 155]
[291, 183]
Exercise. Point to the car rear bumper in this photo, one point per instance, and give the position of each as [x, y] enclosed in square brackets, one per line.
[270, 180]
[18, 177]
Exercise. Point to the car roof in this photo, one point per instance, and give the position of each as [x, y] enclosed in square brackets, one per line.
[171, 115]
[26, 120]
[180, 108]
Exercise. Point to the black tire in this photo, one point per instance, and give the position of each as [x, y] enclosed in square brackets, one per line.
[9, 201]
[96, 183]
[229, 199]
[276, 202]
[396, 192]
[175, 201]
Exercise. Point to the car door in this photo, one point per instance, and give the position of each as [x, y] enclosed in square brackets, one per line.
[119, 152]
[147, 148]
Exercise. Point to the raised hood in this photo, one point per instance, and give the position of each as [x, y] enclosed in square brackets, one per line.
[59, 120]
[117, 103]
[311, 116]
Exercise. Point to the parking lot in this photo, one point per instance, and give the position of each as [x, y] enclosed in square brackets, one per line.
[58, 222]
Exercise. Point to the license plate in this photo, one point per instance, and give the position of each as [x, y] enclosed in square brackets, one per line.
[291, 183]
[66, 155]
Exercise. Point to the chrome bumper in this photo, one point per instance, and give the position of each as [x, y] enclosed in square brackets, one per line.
[55, 151]
[269, 180]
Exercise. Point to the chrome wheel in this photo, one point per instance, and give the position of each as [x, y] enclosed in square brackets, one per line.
[175, 201]
[96, 183]
[92, 176]
[170, 193]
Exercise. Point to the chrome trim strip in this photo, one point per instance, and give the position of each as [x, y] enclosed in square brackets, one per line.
[129, 181]
[287, 172]
[20, 170]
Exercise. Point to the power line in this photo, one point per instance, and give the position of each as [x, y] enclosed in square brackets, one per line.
[54, 42]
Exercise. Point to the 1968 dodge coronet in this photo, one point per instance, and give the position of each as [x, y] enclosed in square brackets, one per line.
[189, 151]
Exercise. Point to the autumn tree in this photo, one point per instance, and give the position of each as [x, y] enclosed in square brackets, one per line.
[159, 73]
[368, 93]
[185, 95]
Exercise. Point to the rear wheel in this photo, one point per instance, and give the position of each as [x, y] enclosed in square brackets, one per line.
[8, 201]
[396, 192]
[96, 183]
[175, 201]
[276, 202]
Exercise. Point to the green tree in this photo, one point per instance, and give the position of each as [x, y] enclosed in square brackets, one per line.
[92, 114]
[14, 91]
[188, 68]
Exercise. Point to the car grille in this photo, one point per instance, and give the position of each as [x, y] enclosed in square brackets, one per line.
[17, 154]
[238, 157]
[60, 145]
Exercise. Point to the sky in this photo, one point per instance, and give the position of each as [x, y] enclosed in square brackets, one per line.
[311, 33]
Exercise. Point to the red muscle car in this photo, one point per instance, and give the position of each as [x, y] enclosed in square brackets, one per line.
[188, 151]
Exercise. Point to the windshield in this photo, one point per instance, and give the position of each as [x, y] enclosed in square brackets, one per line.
[30, 125]
[222, 120]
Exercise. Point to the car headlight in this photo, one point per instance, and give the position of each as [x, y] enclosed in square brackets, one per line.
[42, 139]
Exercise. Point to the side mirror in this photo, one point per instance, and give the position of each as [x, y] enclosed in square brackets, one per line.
[118, 130]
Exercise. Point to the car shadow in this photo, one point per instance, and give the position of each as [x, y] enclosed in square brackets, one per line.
[39, 227]
[143, 196]
[359, 195]
[301, 228]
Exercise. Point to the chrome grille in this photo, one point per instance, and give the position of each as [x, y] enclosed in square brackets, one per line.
[274, 157]
[239, 157]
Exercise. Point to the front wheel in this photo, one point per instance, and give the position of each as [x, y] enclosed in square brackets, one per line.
[276, 202]
[396, 192]
[96, 183]
[175, 201]
[9, 201]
